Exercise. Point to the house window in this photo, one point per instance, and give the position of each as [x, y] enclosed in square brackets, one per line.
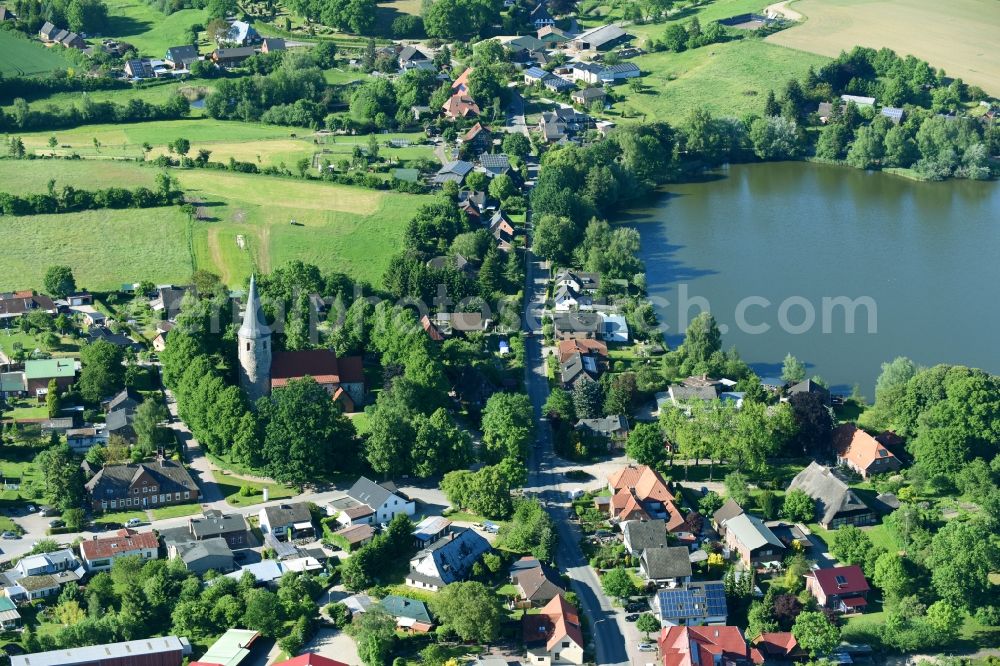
[187, 495]
[565, 644]
[144, 489]
[104, 504]
[152, 489]
[248, 346]
[154, 499]
[113, 504]
[135, 491]
[177, 496]
[164, 498]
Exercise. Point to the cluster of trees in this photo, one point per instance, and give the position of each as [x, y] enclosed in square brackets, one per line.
[459, 19]
[294, 93]
[138, 599]
[77, 15]
[21, 117]
[530, 530]
[487, 491]
[354, 16]
[383, 103]
[679, 37]
[31, 87]
[69, 199]
[362, 569]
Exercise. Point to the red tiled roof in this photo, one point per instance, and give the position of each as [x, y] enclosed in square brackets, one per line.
[854, 580]
[124, 541]
[310, 659]
[857, 446]
[698, 646]
[460, 106]
[474, 132]
[855, 602]
[320, 364]
[461, 84]
[432, 331]
[774, 644]
[569, 347]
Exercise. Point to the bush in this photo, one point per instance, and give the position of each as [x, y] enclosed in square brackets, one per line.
[248, 491]
[340, 615]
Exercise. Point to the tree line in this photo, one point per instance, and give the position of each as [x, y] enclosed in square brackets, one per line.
[70, 200]
[21, 117]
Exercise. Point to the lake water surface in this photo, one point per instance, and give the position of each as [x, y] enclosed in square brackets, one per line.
[921, 260]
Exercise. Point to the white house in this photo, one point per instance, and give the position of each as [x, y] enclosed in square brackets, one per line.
[447, 560]
[614, 328]
[566, 298]
[287, 520]
[370, 503]
[99, 553]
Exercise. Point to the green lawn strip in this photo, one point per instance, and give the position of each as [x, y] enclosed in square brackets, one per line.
[411, 592]
[28, 57]
[361, 422]
[105, 248]
[230, 488]
[175, 511]
[120, 517]
[8, 525]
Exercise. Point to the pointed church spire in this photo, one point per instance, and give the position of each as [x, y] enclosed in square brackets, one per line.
[254, 326]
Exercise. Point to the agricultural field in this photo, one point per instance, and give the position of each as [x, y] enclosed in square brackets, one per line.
[32, 176]
[27, 57]
[599, 13]
[959, 36]
[727, 79]
[151, 31]
[106, 248]
[387, 12]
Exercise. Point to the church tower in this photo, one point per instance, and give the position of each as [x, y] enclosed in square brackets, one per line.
[255, 348]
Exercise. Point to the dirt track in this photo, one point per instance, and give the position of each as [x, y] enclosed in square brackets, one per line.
[781, 9]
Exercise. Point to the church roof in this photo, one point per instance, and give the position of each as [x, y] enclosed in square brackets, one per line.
[254, 326]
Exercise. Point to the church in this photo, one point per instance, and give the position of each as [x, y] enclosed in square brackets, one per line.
[263, 370]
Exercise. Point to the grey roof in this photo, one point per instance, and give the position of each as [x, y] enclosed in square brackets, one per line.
[893, 113]
[645, 534]
[114, 480]
[538, 583]
[182, 53]
[601, 35]
[192, 551]
[607, 425]
[832, 494]
[235, 52]
[274, 43]
[368, 492]
[670, 562]
[622, 67]
[215, 522]
[405, 607]
[127, 397]
[576, 322]
[412, 53]
[557, 82]
[455, 170]
[254, 326]
[730, 509]
[495, 163]
[454, 554]
[809, 386]
[751, 531]
[590, 93]
[287, 514]
[679, 392]
[93, 654]
[118, 419]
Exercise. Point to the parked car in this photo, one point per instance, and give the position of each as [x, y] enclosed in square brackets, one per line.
[636, 607]
[9, 535]
[57, 523]
[645, 647]
[632, 618]
[32, 508]
[133, 522]
[49, 511]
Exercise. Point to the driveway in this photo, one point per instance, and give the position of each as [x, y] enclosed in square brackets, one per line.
[334, 644]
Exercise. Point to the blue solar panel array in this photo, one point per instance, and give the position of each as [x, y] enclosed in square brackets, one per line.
[715, 594]
[696, 601]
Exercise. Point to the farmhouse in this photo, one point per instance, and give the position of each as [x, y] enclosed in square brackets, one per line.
[836, 503]
[141, 485]
[861, 452]
[231, 57]
[601, 38]
[179, 57]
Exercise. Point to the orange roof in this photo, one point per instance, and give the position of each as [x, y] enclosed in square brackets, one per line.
[699, 646]
[557, 621]
[675, 520]
[432, 331]
[460, 106]
[124, 541]
[461, 84]
[647, 482]
[569, 347]
[857, 446]
[774, 645]
[474, 131]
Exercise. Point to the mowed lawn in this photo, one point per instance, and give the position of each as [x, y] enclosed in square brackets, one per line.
[728, 79]
[105, 248]
[125, 140]
[27, 57]
[337, 227]
[154, 93]
[959, 36]
[32, 176]
[682, 13]
[148, 29]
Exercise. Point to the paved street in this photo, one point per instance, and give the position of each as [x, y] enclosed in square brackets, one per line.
[515, 115]
[612, 642]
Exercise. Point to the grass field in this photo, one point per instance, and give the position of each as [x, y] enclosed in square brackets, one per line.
[105, 248]
[175, 511]
[26, 57]
[682, 12]
[728, 79]
[156, 93]
[959, 36]
[230, 489]
[148, 29]
[387, 12]
[32, 176]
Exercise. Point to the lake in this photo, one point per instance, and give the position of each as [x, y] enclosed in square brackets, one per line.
[769, 246]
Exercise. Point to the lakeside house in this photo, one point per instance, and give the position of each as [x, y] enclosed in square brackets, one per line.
[836, 503]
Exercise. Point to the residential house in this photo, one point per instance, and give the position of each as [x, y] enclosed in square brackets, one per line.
[342, 377]
[128, 399]
[460, 106]
[385, 500]
[168, 298]
[575, 325]
[10, 619]
[38, 373]
[858, 99]
[588, 97]
[554, 636]
[120, 423]
[565, 299]
[200, 556]
[101, 332]
[551, 127]
[159, 651]
[755, 543]
[479, 139]
[59, 425]
[703, 646]
[502, 230]
[447, 560]
[613, 429]
[99, 553]
[41, 575]
[461, 322]
[233, 56]
[809, 386]
[640, 535]
[578, 280]
[666, 566]
[585, 347]
[212, 524]
[537, 583]
[353, 537]
[695, 603]
[287, 521]
[141, 485]
[497, 165]
[729, 510]
[429, 530]
[601, 38]
[162, 331]
[240, 33]
[454, 172]
[410, 57]
[534, 75]
[461, 84]
[694, 388]
[638, 492]
[540, 16]
[858, 450]
[13, 385]
[180, 57]
[433, 332]
[557, 84]
[841, 588]
[578, 368]
[358, 604]
[789, 534]
[272, 45]
[411, 615]
[139, 68]
[776, 647]
[836, 503]
[614, 328]
[14, 304]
